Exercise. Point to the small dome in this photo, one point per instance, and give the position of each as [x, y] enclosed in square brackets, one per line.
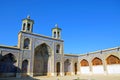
[28, 17]
[56, 25]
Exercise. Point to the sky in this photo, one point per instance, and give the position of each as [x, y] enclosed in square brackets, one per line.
[87, 25]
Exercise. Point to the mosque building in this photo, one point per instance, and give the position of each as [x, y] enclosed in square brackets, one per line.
[38, 55]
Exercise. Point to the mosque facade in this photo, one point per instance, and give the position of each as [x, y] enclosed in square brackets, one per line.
[39, 55]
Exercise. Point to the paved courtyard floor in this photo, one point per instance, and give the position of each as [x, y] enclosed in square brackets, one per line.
[83, 77]
[77, 77]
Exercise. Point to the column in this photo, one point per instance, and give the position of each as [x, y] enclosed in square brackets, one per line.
[91, 70]
[105, 67]
[0, 52]
[53, 64]
[78, 68]
[19, 74]
[72, 68]
[62, 68]
[50, 66]
[32, 58]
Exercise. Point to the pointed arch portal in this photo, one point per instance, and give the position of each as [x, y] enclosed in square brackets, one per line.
[24, 68]
[113, 64]
[58, 68]
[97, 66]
[41, 60]
[67, 67]
[85, 69]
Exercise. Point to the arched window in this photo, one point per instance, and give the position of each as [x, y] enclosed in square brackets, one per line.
[84, 63]
[58, 48]
[28, 27]
[24, 26]
[113, 60]
[26, 43]
[58, 34]
[54, 34]
[96, 61]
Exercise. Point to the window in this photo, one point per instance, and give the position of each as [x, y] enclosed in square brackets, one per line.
[54, 34]
[58, 34]
[26, 43]
[24, 26]
[58, 48]
[28, 27]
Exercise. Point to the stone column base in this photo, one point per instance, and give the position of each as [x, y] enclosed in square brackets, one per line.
[62, 74]
[72, 73]
[30, 74]
[50, 74]
[59, 74]
[68, 73]
[78, 73]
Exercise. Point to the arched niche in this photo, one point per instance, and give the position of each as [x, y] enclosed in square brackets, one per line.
[58, 68]
[24, 68]
[67, 67]
[58, 48]
[97, 61]
[112, 60]
[97, 67]
[26, 43]
[85, 69]
[84, 63]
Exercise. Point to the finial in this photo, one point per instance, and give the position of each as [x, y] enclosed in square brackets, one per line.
[28, 16]
[56, 25]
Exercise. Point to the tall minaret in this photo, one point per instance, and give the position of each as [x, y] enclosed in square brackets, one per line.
[27, 24]
[56, 32]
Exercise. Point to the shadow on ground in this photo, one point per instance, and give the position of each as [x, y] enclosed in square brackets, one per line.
[8, 70]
